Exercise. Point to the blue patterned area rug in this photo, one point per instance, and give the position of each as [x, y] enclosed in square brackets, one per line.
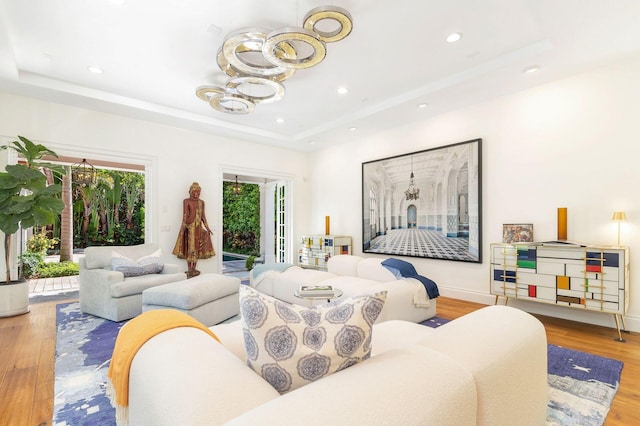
[434, 322]
[581, 385]
[84, 344]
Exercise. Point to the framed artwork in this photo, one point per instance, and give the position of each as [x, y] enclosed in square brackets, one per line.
[425, 203]
[517, 233]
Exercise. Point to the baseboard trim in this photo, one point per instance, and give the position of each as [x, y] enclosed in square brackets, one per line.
[589, 317]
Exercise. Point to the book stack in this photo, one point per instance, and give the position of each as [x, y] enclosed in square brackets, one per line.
[315, 291]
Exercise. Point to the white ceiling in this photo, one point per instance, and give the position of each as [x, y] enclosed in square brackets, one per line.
[156, 52]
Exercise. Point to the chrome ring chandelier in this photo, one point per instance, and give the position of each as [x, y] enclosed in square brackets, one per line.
[258, 60]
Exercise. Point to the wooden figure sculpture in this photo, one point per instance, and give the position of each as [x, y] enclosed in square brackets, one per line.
[194, 238]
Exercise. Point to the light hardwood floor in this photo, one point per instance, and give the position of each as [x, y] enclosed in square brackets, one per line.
[27, 347]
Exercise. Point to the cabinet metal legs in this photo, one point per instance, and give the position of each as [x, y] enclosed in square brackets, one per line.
[624, 327]
[506, 299]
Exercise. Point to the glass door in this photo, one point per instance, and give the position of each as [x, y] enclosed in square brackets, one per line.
[281, 222]
[277, 228]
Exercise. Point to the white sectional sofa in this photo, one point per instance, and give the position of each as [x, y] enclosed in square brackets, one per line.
[407, 298]
[485, 368]
[109, 294]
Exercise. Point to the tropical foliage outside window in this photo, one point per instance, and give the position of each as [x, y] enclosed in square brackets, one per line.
[109, 212]
[241, 219]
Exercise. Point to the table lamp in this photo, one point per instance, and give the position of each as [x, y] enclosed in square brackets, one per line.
[619, 217]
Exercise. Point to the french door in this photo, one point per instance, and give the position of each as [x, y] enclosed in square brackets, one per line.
[277, 224]
[281, 222]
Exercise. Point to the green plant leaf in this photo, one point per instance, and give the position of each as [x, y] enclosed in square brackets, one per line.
[20, 204]
[25, 174]
[43, 216]
[50, 190]
[7, 181]
[51, 204]
[30, 151]
[8, 224]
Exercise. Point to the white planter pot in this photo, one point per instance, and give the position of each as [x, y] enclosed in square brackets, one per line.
[14, 299]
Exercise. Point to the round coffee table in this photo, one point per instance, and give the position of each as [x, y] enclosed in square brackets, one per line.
[336, 293]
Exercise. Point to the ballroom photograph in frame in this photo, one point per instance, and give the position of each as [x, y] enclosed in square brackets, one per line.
[425, 204]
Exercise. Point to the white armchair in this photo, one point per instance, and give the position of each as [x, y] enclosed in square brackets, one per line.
[108, 293]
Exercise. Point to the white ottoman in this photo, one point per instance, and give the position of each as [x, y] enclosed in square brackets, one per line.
[209, 298]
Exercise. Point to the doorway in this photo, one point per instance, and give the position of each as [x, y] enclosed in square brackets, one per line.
[463, 216]
[412, 216]
[275, 239]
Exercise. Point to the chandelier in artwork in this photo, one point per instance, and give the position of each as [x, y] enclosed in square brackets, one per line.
[258, 61]
[413, 192]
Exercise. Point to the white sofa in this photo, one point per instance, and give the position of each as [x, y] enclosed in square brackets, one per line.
[107, 293]
[486, 368]
[407, 298]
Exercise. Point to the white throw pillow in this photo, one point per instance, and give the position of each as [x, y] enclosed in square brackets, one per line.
[291, 345]
[149, 264]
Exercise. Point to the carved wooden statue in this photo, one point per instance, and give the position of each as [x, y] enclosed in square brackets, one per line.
[194, 238]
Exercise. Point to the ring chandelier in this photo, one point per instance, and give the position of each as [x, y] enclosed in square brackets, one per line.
[254, 81]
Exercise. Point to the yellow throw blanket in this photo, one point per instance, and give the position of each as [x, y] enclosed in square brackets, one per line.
[130, 339]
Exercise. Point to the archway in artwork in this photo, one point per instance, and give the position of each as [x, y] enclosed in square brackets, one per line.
[412, 216]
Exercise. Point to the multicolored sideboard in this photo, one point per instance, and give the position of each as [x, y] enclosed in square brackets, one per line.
[315, 250]
[583, 277]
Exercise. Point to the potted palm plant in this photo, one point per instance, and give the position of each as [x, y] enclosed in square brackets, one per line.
[25, 201]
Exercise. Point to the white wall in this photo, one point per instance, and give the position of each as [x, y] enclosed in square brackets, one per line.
[572, 143]
[177, 157]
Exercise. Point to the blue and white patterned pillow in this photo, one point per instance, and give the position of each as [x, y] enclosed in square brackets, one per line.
[291, 345]
[150, 264]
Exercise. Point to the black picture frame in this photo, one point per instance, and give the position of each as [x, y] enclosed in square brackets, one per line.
[425, 203]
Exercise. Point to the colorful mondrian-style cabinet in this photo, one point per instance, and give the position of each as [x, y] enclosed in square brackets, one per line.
[583, 277]
[315, 250]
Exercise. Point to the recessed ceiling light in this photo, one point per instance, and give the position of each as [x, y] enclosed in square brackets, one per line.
[95, 70]
[343, 90]
[453, 37]
[422, 105]
[531, 69]
[279, 120]
[353, 129]
[312, 142]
